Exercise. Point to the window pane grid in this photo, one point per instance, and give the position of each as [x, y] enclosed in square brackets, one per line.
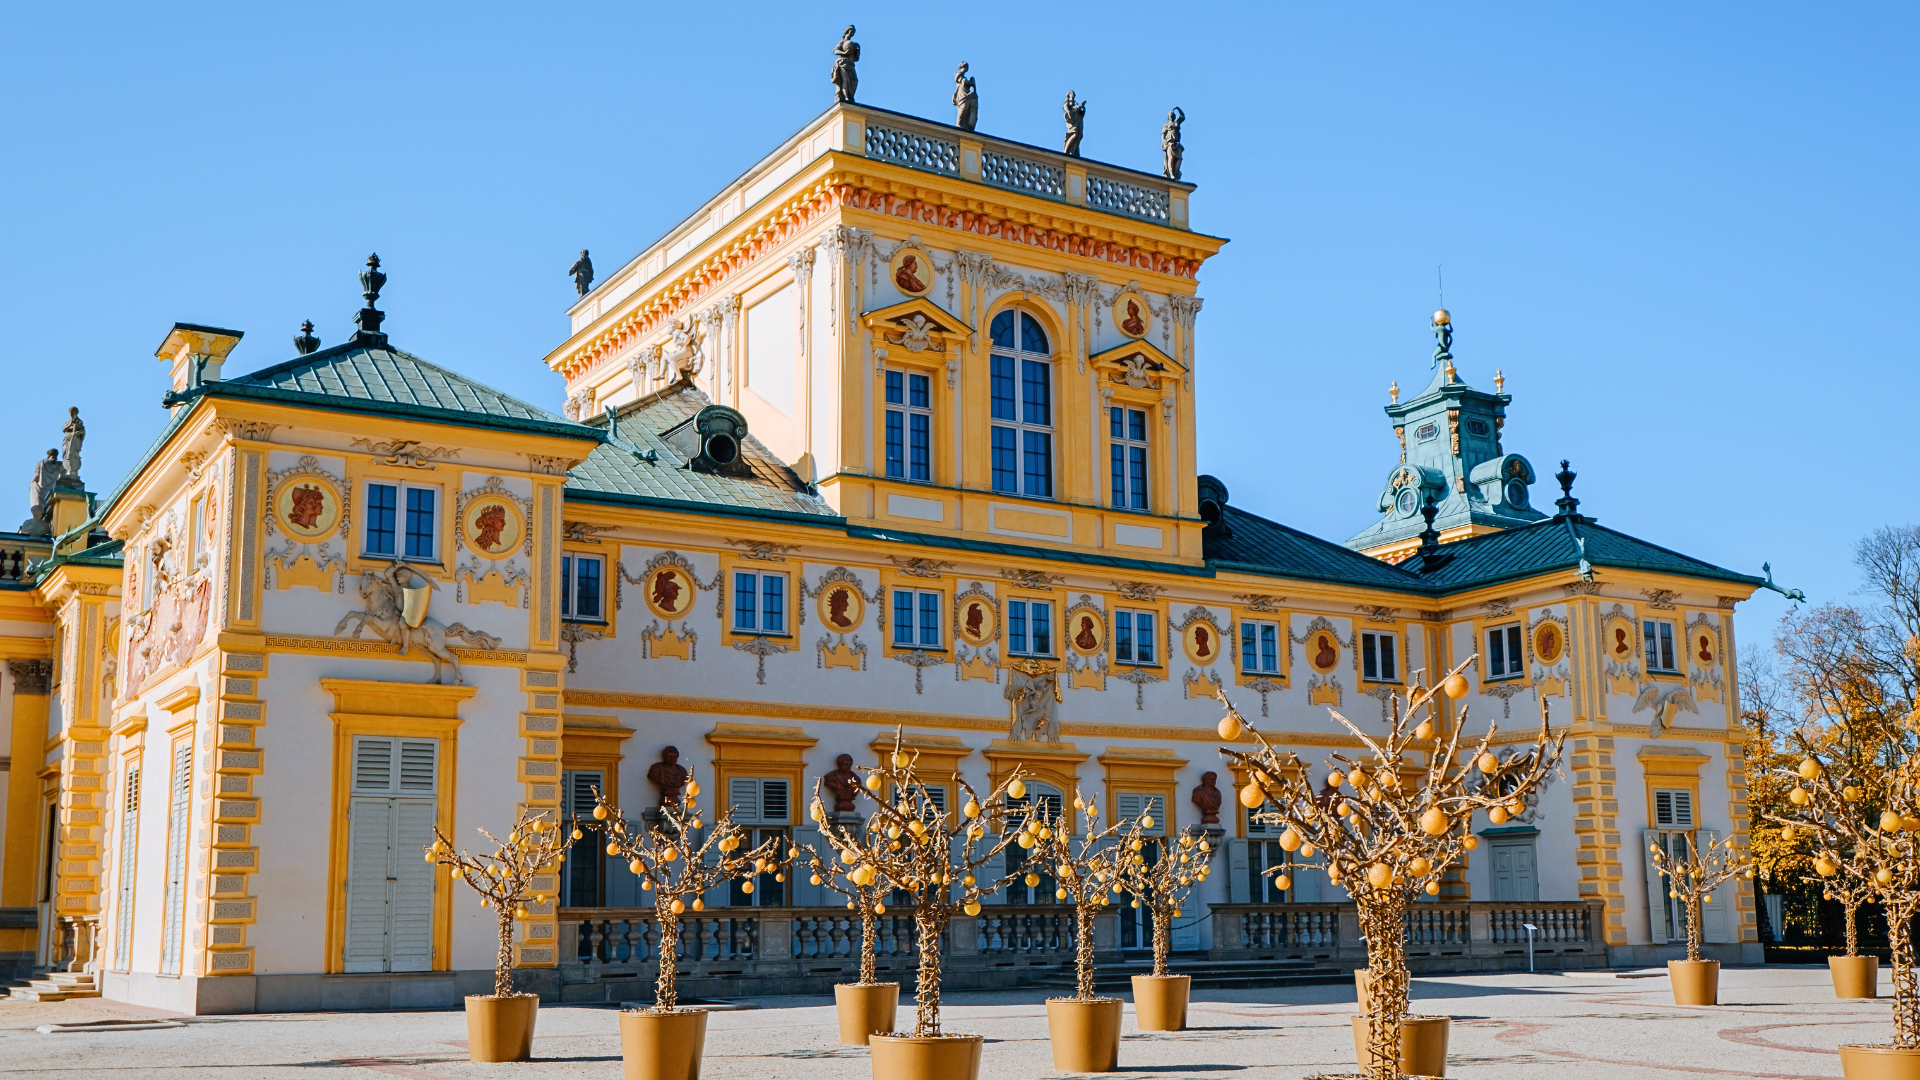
[382, 503]
[1128, 457]
[1030, 627]
[1021, 404]
[909, 427]
[420, 523]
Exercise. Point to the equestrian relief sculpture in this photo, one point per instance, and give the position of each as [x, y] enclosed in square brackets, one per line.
[396, 612]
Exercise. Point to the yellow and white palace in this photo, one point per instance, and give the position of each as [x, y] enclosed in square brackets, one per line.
[896, 429]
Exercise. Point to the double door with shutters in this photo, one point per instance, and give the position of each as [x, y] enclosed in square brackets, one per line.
[390, 887]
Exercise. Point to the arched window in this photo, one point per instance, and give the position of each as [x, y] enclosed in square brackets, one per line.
[1022, 413]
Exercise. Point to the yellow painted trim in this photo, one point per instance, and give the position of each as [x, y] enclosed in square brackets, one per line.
[1143, 771]
[182, 698]
[760, 750]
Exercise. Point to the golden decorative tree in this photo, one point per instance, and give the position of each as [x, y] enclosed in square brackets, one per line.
[677, 864]
[863, 900]
[1085, 870]
[504, 879]
[1692, 877]
[1885, 852]
[1404, 825]
[936, 859]
[1161, 886]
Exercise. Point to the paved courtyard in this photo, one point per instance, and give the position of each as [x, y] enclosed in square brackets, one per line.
[1780, 1022]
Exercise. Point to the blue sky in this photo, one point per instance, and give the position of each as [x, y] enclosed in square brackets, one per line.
[1685, 234]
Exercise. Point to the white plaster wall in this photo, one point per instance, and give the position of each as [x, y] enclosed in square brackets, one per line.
[296, 788]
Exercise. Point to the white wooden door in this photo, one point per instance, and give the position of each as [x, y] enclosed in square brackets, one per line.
[390, 885]
[180, 801]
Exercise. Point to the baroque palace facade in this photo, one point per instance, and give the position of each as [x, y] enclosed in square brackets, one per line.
[897, 429]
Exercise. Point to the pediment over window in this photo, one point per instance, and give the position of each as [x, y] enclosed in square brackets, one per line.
[916, 324]
[1137, 364]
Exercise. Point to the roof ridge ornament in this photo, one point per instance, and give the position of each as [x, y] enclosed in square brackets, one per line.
[1569, 506]
[368, 318]
[1443, 331]
[305, 343]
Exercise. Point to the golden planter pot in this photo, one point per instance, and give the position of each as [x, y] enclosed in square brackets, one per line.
[1362, 983]
[1855, 976]
[937, 1057]
[1695, 982]
[1423, 1044]
[662, 1046]
[1879, 1063]
[501, 1028]
[865, 1009]
[1085, 1034]
[1160, 1002]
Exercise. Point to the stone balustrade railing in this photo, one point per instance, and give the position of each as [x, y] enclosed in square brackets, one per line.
[17, 551]
[1453, 936]
[736, 951]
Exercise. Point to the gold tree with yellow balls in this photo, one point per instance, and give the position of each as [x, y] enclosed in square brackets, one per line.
[1692, 877]
[1085, 870]
[504, 879]
[1161, 885]
[1885, 852]
[675, 863]
[933, 858]
[863, 900]
[1400, 830]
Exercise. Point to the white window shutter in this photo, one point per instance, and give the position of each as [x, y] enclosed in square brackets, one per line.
[743, 796]
[937, 794]
[1656, 890]
[389, 885]
[369, 833]
[179, 803]
[410, 943]
[1127, 805]
[129, 834]
[1238, 891]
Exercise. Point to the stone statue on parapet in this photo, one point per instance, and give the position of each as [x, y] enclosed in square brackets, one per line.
[582, 273]
[845, 79]
[1076, 113]
[46, 476]
[1170, 144]
[966, 99]
[71, 437]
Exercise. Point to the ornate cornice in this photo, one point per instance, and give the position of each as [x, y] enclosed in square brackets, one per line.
[845, 189]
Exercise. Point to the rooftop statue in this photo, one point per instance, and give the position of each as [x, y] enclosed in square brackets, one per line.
[72, 436]
[1170, 144]
[582, 272]
[965, 99]
[1076, 124]
[46, 475]
[845, 80]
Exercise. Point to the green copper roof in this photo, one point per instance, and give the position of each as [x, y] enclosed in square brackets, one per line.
[1268, 547]
[367, 375]
[615, 471]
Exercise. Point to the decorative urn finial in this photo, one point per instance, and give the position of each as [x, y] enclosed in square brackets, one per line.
[371, 281]
[1499, 381]
[1393, 392]
[1568, 505]
[305, 343]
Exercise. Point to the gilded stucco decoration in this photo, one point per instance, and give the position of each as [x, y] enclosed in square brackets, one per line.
[1201, 684]
[1547, 648]
[1202, 637]
[1132, 314]
[397, 599]
[1141, 678]
[1618, 645]
[920, 660]
[976, 616]
[917, 566]
[1661, 599]
[306, 505]
[1086, 627]
[491, 523]
[669, 587]
[1262, 603]
[763, 550]
[760, 648]
[1033, 692]
[911, 269]
[1139, 591]
[1037, 580]
[1704, 660]
[840, 601]
[1322, 644]
[584, 532]
[171, 627]
[406, 453]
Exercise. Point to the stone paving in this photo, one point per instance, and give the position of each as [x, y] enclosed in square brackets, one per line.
[1779, 1022]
